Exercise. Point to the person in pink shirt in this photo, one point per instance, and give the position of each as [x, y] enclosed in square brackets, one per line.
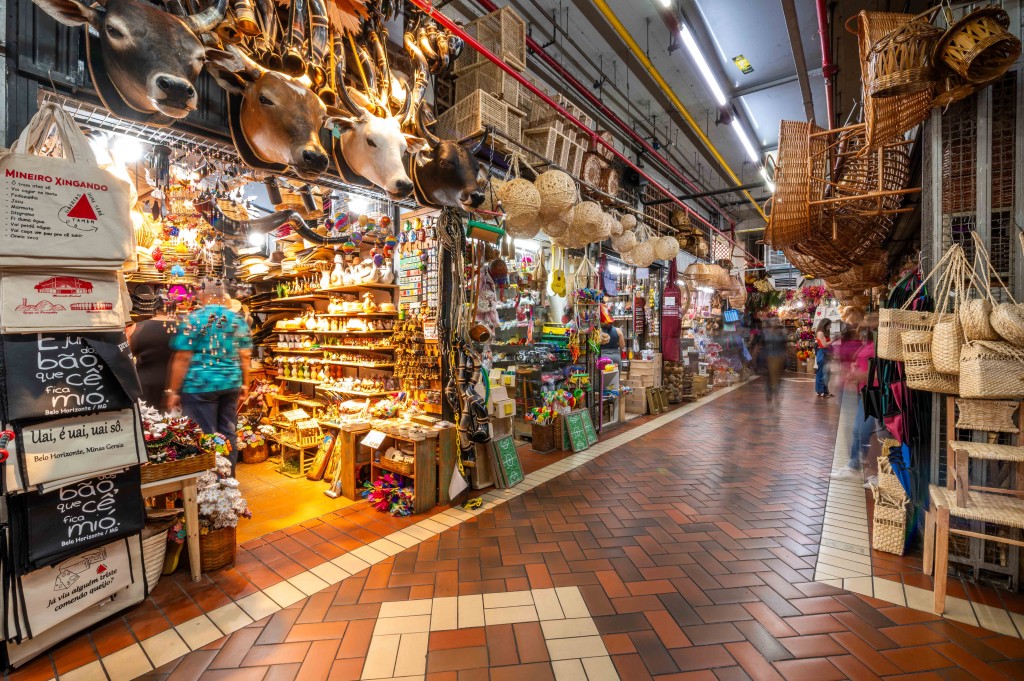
[860, 353]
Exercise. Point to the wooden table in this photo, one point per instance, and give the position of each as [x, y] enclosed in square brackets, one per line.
[186, 484]
[347, 447]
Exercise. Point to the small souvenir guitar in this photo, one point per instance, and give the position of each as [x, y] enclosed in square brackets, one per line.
[557, 277]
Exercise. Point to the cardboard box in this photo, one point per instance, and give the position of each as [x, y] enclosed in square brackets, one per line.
[498, 393]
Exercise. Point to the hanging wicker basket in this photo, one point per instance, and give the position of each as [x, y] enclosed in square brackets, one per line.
[978, 48]
[889, 524]
[920, 371]
[901, 62]
[217, 548]
[992, 370]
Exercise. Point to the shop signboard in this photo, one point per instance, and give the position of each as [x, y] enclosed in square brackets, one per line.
[574, 425]
[79, 446]
[588, 429]
[51, 595]
[374, 439]
[47, 527]
[66, 374]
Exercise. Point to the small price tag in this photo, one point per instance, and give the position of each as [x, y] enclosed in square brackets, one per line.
[374, 439]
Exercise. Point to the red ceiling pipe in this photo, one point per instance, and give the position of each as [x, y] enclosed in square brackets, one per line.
[457, 30]
[828, 69]
[600, 106]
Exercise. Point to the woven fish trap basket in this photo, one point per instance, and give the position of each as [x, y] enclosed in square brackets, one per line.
[791, 220]
[811, 266]
[978, 48]
[886, 117]
[901, 62]
[987, 415]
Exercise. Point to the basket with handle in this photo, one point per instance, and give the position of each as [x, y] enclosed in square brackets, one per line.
[991, 370]
[791, 221]
[920, 371]
[892, 322]
[947, 334]
[889, 524]
[901, 62]
[978, 48]
[217, 548]
[887, 118]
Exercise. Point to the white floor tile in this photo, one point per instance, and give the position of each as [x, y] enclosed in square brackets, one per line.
[508, 599]
[127, 663]
[548, 607]
[386, 546]
[258, 605]
[581, 626]
[859, 585]
[514, 615]
[164, 647]
[198, 632]
[402, 625]
[569, 670]
[600, 669]
[351, 563]
[405, 608]
[368, 554]
[572, 603]
[381, 657]
[284, 594]
[412, 655]
[471, 611]
[994, 619]
[308, 583]
[90, 672]
[445, 614]
[230, 618]
[330, 573]
[583, 646]
[889, 591]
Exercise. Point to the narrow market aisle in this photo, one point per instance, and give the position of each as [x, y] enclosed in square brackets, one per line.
[690, 544]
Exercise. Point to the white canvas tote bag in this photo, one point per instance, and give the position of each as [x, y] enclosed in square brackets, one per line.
[62, 211]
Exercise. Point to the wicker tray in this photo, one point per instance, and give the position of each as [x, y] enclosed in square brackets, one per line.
[152, 472]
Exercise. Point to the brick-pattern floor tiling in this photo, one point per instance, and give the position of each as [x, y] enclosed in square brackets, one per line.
[693, 547]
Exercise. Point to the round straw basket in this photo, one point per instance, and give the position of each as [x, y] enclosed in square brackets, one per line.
[791, 221]
[987, 415]
[255, 453]
[520, 200]
[991, 369]
[217, 548]
[921, 373]
[590, 170]
[978, 48]
[900, 62]
[1008, 321]
[974, 316]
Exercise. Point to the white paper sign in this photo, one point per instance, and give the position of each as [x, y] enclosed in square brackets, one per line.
[81, 445]
[374, 439]
[56, 593]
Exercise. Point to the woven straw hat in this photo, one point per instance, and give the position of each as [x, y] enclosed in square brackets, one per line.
[557, 191]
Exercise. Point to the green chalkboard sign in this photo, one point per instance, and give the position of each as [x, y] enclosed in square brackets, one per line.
[588, 428]
[508, 460]
[574, 423]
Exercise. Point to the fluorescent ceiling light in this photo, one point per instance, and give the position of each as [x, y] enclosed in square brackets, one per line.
[257, 239]
[768, 180]
[737, 127]
[527, 245]
[358, 204]
[666, 3]
[702, 64]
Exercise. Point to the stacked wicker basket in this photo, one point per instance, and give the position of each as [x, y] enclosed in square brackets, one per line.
[550, 135]
[486, 96]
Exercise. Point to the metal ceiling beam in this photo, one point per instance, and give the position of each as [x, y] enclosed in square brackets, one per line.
[797, 47]
[713, 192]
[761, 87]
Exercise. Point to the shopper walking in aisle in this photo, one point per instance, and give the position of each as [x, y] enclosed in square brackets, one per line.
[823, 358]
[210, 369]
[773, 349]
[864, 426]
[150, 342]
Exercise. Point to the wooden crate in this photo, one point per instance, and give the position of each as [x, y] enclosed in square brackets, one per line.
[575, 163]
[503, 33]
[490, 78]
[550, 144]
[471, 115]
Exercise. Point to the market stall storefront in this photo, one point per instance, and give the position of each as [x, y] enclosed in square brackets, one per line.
[237, 335]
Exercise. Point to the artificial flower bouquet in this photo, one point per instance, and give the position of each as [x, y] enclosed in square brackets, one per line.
[169, 438]
[221, 503]
[387, 495]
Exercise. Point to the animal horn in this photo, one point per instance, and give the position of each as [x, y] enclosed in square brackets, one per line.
[339, 70]
[209, 18]
[249, 63]
[424, 131]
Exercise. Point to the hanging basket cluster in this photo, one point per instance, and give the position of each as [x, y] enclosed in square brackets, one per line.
[640, 246]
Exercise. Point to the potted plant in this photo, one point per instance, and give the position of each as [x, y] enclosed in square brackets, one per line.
[221, 504]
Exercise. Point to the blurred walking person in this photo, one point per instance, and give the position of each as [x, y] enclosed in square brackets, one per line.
[823, 358]
[773, 349]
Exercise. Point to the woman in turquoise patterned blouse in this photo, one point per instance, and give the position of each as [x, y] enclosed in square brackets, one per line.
[210, 367]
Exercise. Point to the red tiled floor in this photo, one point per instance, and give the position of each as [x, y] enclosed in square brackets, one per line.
[693, 547]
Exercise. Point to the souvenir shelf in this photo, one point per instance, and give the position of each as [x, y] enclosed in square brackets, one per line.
[418, 364]
[423, 473]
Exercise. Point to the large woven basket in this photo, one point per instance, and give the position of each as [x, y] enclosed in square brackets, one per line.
[811, 266]
[994, 416]
[154, 549]
[991, 369]
[791, 221]
[892, 323]
[887, 118]
[889, 525]
[947, 338]
[978, 48]
[901, 62]
[217, 549]
[255, 453]
[920, 372]
[152, 472]
[1008, 321]
[975, 317]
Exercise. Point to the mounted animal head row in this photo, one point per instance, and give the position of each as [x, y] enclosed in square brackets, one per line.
[152, 57]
